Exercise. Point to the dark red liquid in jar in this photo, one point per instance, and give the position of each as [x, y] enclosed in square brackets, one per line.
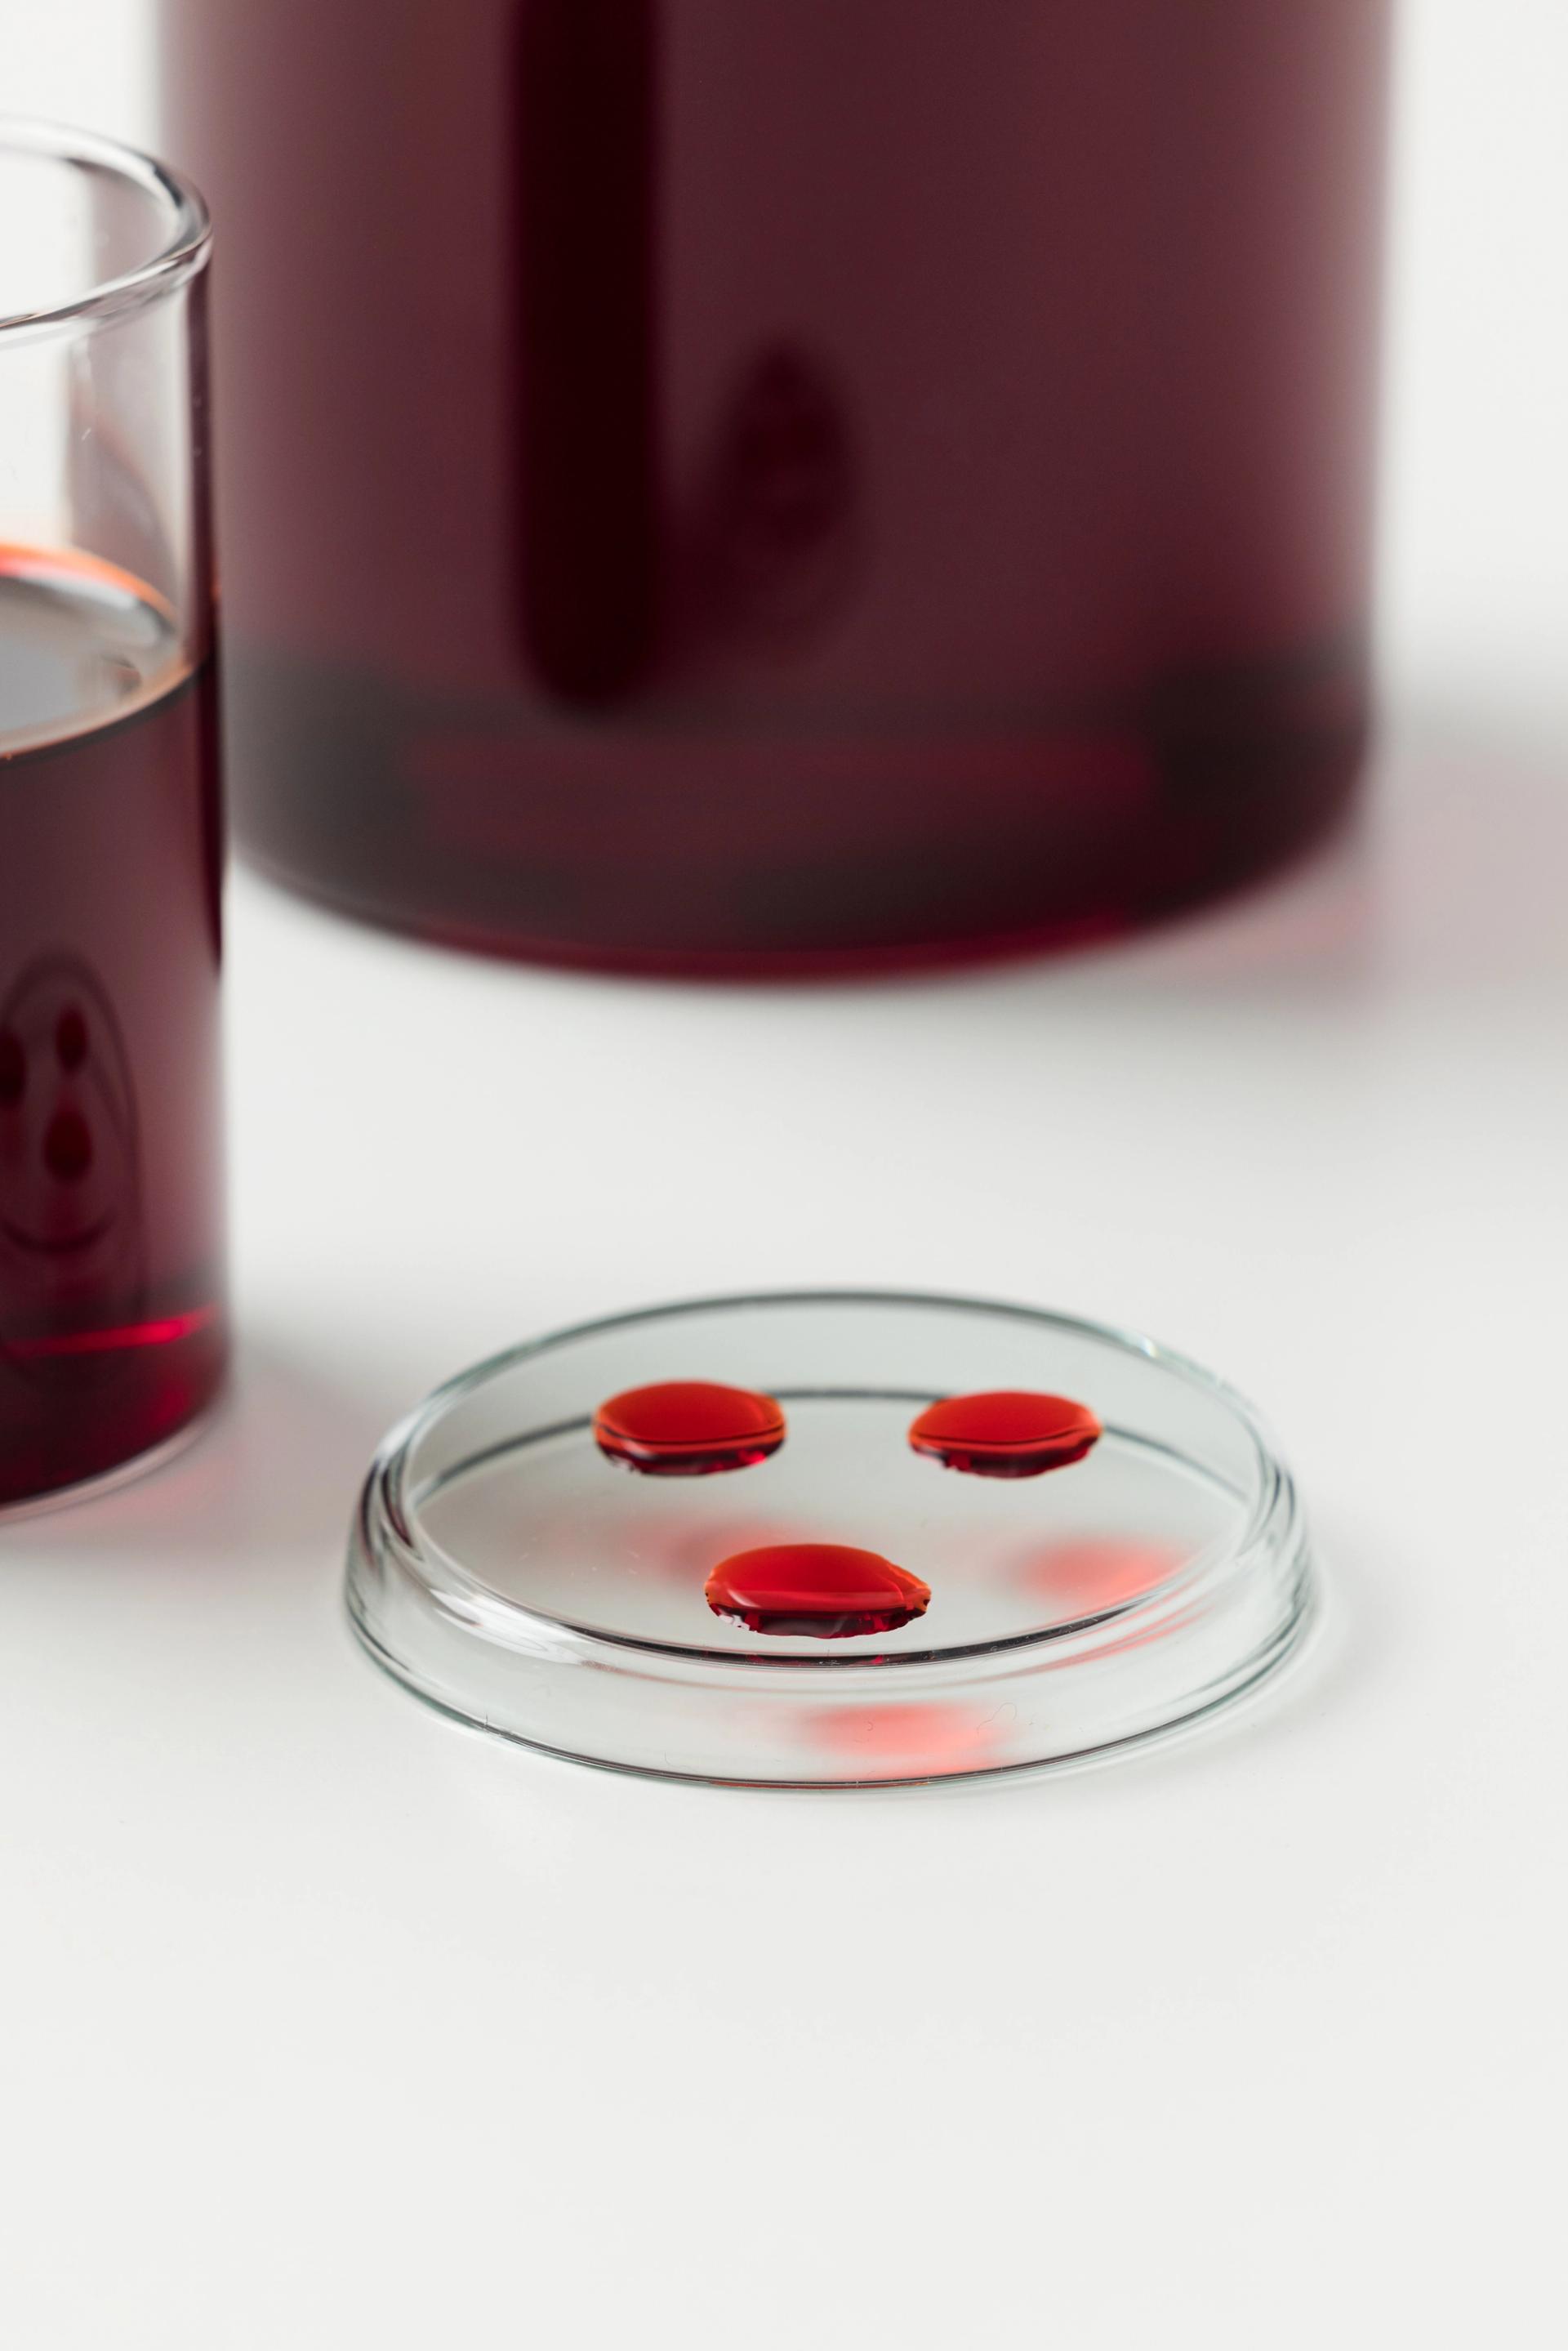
[688, 1429]
[112, 1331]
[1009, 1433]
[823, 1591]
[780, 484]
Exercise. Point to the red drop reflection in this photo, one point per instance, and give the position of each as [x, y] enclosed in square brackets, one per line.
[887, 1742]
[679, 1551]
[1009, 1433]
[1088, 1575]
[688, 1429]
[823, 1591]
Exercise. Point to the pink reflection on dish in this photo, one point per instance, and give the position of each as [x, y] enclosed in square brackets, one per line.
[668, 1548]
[1089, 1576]
[896, 1742]
[686, 1553]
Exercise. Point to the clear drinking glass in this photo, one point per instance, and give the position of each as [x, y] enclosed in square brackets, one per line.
[112, 1321]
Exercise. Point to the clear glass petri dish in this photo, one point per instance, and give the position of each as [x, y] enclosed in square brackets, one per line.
[504, 1570]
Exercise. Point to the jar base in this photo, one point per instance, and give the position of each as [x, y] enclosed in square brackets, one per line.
[682, 853]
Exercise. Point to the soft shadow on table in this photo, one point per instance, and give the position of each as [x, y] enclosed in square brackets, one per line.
[267, 1488]
[1449, 875]
[1475, 851]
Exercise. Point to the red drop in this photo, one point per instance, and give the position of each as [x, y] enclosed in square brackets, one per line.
[823, 1591]
[1009, 1434]
[688, 1429]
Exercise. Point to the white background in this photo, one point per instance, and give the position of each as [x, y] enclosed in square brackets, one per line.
[323, 2023]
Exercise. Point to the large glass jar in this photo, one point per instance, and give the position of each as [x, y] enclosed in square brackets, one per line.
[748, 484]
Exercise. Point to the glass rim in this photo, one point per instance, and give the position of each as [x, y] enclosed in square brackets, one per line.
[181, 253]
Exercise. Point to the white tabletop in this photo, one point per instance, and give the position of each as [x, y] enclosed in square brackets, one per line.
[330, 2024]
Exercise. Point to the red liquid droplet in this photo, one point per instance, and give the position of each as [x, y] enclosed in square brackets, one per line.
[688, 1429]
[823, 1591]
[1010, 1434]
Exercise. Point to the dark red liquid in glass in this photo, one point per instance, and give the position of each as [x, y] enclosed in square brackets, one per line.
[779, 484]
[688, 1429]
[112, 1330]
[1008, 1433]
[823, 1591]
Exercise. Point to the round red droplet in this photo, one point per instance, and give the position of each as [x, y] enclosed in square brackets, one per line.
[1008, 1433]
[822, 1591]
[68, 1146]
[688, 1429]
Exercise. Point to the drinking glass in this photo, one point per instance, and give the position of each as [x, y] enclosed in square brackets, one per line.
[113, 1331]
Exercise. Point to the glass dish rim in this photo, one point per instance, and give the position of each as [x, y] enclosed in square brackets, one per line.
[383, 1516]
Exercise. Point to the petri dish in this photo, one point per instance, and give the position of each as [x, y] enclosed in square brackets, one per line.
[504, 1570]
